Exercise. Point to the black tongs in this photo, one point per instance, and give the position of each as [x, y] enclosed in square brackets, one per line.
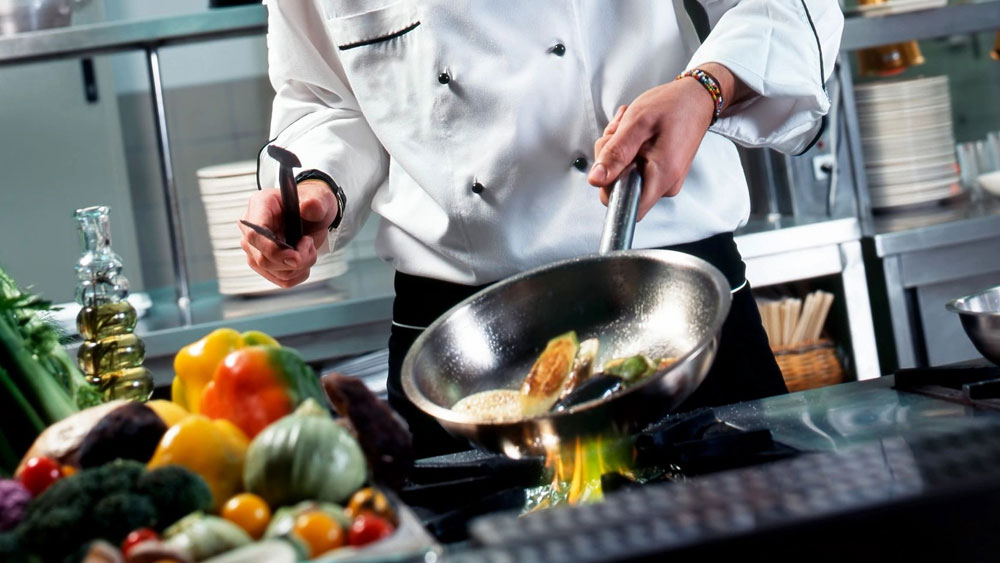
[290, 216]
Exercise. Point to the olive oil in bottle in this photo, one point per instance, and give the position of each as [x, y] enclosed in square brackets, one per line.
[111, 355]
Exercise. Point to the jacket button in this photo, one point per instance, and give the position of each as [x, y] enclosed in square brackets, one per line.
[444, 78]
[580, 163]
[558, 49]
[477, 188]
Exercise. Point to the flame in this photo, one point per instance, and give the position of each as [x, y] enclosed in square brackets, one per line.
[577, 468]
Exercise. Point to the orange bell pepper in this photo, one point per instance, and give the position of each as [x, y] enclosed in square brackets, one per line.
[255, 386]
[195, 364]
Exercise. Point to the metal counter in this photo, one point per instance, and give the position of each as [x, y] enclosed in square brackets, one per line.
[863, 32]
[344, 316]
[928, 257]
[841, 416]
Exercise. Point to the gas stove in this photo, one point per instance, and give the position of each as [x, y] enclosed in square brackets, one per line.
[859, 470]
[448, 490]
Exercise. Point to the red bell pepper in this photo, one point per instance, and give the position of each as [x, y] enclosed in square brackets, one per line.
[255, 386]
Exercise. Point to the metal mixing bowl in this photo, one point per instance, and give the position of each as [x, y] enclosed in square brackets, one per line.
[980, 315]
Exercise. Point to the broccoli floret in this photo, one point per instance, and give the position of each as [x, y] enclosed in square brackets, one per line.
[117, 476]
[82, 490]
[118, 514]
[176, 492]
[11, 550]
[66, 515]
[73, 492]
[56, 533]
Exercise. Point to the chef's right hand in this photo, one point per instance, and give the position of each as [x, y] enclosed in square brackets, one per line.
[281, 266]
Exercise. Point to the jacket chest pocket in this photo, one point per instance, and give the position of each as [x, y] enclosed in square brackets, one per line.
[388, 61]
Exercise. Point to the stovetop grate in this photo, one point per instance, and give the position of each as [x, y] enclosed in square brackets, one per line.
[675, 516]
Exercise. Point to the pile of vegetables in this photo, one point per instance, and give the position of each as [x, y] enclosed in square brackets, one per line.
[39, 383]
[245, 455]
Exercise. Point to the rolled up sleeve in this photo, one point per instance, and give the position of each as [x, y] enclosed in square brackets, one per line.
[315, 114]
[784, 50]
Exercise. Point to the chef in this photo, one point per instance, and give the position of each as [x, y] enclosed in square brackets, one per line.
[485, 135]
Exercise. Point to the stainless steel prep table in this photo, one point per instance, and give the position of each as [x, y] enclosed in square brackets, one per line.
[929, 257]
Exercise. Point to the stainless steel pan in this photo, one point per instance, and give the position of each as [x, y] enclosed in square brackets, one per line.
[654, 302]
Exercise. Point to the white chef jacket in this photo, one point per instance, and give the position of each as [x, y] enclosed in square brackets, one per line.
[468, 126]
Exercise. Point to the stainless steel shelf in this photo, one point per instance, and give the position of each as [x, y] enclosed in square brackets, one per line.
[938, 226]
[345, 316]
[111, 37]
[862, 32]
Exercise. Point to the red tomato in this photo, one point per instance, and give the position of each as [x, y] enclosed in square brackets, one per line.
[135, 537]
[39, 473]
[368, 528]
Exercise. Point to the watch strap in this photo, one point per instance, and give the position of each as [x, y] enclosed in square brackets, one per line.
[338, 193]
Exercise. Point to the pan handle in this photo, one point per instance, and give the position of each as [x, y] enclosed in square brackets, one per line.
[623, 206]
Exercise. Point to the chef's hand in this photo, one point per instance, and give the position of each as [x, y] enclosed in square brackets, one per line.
[281, 266]
[661, 131]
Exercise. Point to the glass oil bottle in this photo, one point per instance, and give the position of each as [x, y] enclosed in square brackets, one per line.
[111, 355]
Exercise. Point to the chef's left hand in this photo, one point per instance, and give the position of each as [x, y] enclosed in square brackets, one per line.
[660, 131]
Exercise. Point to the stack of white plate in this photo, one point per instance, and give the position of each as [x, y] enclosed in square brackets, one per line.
[225, 191]
[908, 142]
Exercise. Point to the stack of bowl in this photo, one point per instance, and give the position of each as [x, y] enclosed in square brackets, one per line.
[908, 142]
[225, 191]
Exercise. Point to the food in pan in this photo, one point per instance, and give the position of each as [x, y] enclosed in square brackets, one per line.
[562, 377]
[544, 384]
[495, 405]
[598, 387]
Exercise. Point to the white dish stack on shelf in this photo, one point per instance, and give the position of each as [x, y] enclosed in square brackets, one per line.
[225, 191]
[908, 141]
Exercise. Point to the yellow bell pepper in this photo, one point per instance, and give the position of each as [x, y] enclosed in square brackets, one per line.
[214, 449]
[196, 362]
[169, 412]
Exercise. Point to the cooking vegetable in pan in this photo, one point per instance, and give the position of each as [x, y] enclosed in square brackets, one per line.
[562, 377]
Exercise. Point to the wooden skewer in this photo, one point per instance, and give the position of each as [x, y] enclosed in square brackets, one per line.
[823, 312]
[802, 326]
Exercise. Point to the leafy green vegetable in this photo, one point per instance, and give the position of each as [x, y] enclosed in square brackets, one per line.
[44, 341]
[40, 384]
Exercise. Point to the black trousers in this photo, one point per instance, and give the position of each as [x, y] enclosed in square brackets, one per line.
[744, 367]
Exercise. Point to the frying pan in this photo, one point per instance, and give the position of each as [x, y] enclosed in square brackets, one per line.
[654, 302]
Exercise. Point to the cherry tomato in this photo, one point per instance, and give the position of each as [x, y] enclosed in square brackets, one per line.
[248, 511]
[320, 532]
[68, 470]
[370, 500]
[368, 528]
[39, 473]
[135, 537]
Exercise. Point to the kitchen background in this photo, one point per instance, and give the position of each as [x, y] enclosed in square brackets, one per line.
[62, 151]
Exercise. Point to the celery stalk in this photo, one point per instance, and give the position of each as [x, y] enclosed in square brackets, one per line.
[51, 400]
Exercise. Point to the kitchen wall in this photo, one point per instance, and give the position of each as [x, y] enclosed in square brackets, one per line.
[59, 152]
